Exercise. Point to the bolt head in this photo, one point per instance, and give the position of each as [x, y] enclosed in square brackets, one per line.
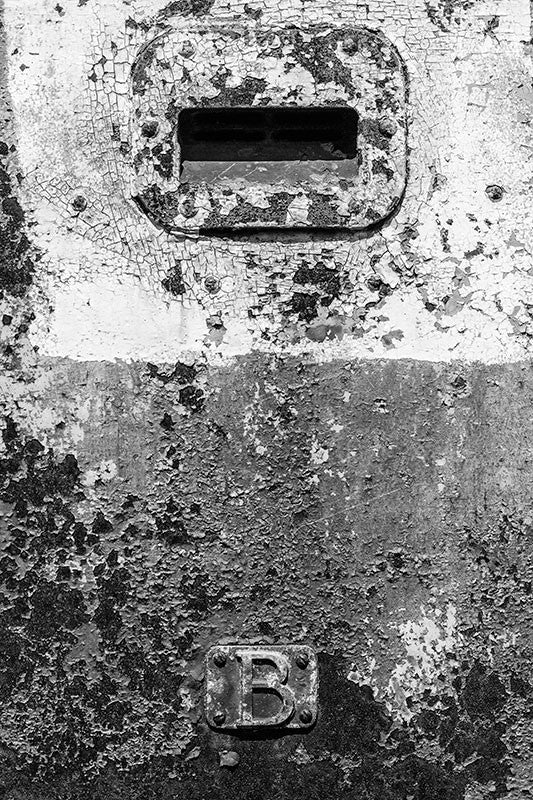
[219, 659]
[79, 203]
[219, 718]
[350, 45]
[150, 128]
[212, 284]
[306, 716]
[302, 660]
[188, 209]
[494, 192]
[188, 50]
[387, 127]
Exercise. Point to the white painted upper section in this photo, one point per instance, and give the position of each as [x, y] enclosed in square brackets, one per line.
[471, 106]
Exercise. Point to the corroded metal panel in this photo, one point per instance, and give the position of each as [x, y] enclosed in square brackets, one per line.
[320, 436]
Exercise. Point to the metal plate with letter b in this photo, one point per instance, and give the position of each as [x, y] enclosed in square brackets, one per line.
[257, 688]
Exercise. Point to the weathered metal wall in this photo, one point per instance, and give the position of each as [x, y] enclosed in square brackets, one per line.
[314, 438]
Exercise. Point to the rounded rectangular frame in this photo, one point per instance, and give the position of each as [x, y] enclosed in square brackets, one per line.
[194, 64]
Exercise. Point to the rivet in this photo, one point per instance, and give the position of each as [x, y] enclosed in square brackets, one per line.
[306, 717]
[188, 209]
[350, 45]
[187, 51]
[494, 192]
[219, 659]
[219, 718]
[150, 128]
[212, 284]
[387, 127]
[79, 203]
[302, 660]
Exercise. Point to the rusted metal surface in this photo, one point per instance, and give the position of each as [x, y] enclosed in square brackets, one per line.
[257, 687]
[323, 439]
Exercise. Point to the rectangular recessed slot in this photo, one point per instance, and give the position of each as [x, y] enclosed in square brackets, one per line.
[271, 146]
[267, 134]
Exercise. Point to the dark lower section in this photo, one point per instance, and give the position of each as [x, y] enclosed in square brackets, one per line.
[276, 501]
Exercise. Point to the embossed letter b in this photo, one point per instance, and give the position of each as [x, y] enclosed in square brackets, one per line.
[275, 682]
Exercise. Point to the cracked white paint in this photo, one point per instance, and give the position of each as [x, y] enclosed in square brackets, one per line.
[470, 126]
[319, 454]
[429, 645]
[428, 642]
[105, 471]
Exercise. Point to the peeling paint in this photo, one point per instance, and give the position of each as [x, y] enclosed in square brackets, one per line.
[316, 437]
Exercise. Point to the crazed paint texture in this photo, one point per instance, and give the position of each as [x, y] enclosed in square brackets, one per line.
[311, 66]
[316, 438]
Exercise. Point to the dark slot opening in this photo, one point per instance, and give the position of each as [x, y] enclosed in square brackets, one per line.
[267, 134]
[229, 135]
[322, 135]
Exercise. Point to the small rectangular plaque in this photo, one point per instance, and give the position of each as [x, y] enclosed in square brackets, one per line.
[254, 687]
